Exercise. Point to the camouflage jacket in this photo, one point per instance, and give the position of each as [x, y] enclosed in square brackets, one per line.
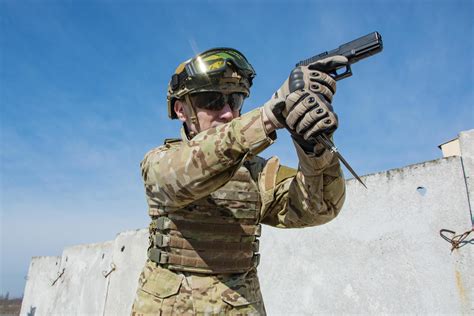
[181, 172]
[177, 175]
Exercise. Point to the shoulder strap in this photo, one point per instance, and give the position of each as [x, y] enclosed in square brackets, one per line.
[274, 173]
[284, 173]
[172, 140]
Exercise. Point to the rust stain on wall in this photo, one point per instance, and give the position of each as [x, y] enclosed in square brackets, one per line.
[459, 285]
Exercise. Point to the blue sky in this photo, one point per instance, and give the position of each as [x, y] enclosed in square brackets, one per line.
[83, 98]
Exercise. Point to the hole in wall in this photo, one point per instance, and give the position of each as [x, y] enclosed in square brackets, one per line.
[421, 190]
[122, 249]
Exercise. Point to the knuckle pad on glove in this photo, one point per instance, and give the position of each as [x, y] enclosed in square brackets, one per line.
[293, 99]
[300, 115]
[321, 89]
[330, 121]
[296, 113]
[322, 78]
[305, 123]
[326, 124]
[296, 81]
[311, 118]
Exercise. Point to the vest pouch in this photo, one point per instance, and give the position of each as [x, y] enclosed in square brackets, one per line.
[242, 292]
[162, 283]
[234, 299]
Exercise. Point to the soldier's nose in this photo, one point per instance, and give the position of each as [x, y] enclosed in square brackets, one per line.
[226, 113]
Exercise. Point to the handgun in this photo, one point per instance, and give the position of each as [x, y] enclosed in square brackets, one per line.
[354, 51]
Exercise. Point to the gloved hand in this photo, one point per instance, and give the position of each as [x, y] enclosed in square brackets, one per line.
[313, 77]
[305, 115]
[308, 116]
[307, 112]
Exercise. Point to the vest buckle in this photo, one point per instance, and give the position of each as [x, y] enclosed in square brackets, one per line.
[161, 240]
[157, 255]
[163, 223]
[256, 245]
[258, 230]
[256, 260]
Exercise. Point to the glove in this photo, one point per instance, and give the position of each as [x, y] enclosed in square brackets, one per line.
[314, 77]
[307, 112]
[273, 109]
[305, 115]
[309, 115]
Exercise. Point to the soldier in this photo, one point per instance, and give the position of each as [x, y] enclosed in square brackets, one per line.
[208, 192]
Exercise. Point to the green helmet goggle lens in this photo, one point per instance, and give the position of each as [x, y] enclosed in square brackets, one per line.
[215, 61]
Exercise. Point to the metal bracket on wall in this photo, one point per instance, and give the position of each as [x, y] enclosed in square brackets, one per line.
[106, 273]
[59, 276]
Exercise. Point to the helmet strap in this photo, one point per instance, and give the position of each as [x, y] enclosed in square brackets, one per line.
[193, 117]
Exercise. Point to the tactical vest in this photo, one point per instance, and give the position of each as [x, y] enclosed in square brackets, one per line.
[214, 235]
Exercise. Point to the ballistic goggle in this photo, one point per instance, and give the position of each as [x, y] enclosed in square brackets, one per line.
[215, 101]
[211, 62]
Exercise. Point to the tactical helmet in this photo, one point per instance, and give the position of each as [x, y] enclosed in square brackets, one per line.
[218, 69]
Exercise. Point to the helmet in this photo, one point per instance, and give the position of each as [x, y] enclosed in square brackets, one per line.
[218, 69]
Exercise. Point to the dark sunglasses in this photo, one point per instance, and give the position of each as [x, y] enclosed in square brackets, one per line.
[215, 101]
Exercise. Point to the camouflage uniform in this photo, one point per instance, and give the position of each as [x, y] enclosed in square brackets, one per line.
[207, 197]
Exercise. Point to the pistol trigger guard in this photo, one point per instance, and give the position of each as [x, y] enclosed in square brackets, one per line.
[345, 74]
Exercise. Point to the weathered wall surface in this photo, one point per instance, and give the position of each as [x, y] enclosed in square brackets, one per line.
[466, 140]
[382, 255]
[129, 257]
[79, 282]
[39, 292]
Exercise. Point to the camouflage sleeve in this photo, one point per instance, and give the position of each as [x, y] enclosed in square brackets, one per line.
[310, 196]
[178, 175]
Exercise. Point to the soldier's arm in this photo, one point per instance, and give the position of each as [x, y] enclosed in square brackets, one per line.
[310, 196]
[181, 174]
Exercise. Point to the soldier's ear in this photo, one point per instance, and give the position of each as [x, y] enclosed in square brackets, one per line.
[179, 109]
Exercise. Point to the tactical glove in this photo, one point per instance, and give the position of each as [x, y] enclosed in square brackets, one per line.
[307, 112]
[305, 115]
[308, 116]
[313, 77]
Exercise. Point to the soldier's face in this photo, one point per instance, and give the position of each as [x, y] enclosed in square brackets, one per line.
[207, 118]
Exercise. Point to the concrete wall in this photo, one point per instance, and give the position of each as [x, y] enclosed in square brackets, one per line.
[383, 254]
[75, 283]
[466, 140]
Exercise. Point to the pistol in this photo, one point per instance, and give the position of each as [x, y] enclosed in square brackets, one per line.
[355, 50]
